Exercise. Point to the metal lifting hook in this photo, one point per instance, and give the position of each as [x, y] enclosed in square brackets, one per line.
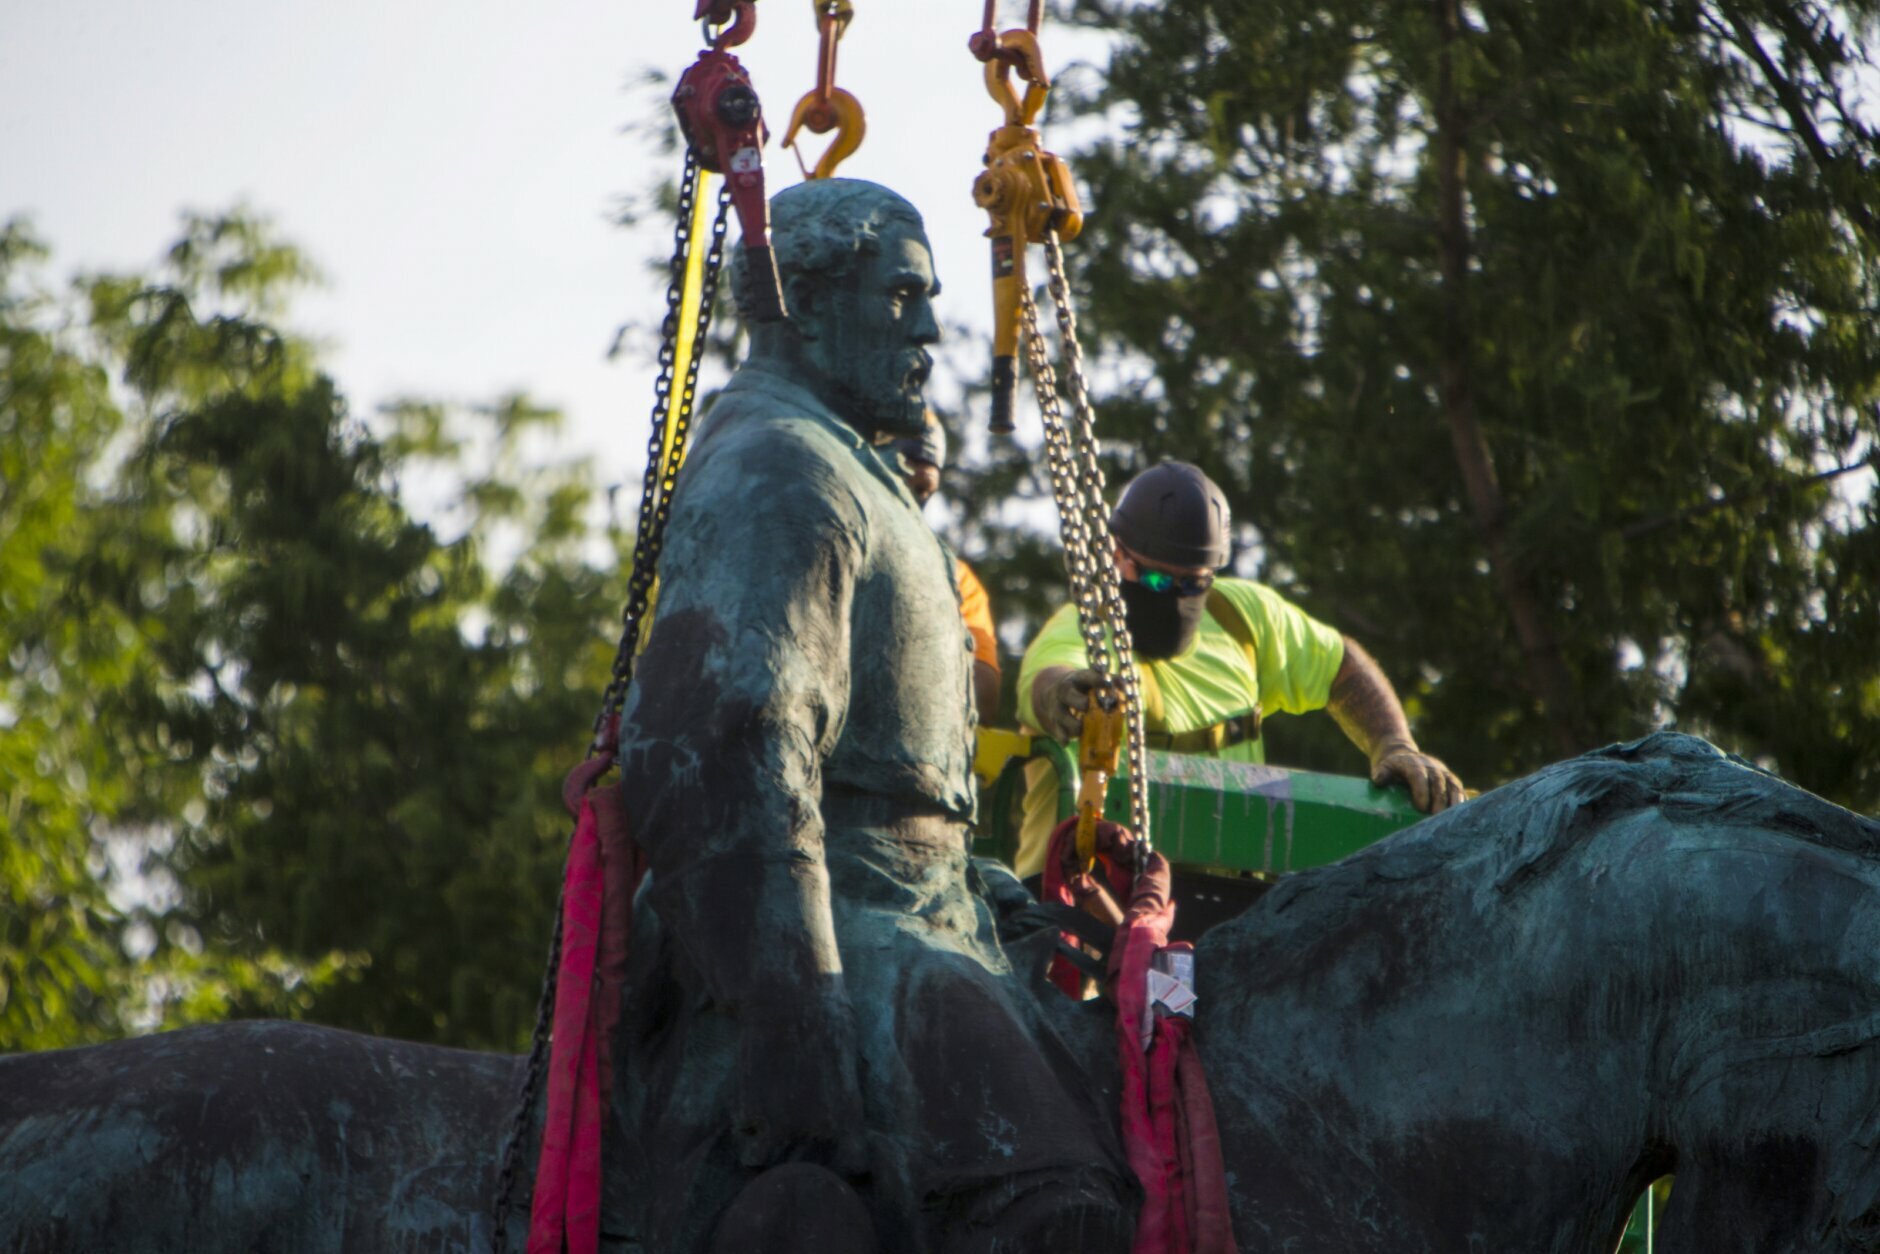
[1026, 191]
[1017, 50]
[841, 113]
[741, 14]
[827, 107]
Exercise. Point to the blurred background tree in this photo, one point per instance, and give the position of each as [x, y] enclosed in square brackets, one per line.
[1533, 345]
[271, 745]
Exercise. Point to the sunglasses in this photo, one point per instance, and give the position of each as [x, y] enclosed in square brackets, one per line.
[1180, 585]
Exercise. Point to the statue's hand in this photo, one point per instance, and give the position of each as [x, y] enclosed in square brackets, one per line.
[1433, 786]
[798, 1095]
[994, 882]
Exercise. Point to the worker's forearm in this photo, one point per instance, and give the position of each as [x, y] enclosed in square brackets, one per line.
[1366, 706]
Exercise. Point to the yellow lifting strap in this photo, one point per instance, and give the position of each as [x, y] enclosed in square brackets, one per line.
[702, 205]
[671, 458]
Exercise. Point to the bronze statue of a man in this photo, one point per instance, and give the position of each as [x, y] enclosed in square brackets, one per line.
[817, 980]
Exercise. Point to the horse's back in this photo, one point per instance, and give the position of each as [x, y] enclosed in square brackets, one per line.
[1502, 1022]
[253, 1137]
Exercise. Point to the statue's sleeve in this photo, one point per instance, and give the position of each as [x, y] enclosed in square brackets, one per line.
[739, 697]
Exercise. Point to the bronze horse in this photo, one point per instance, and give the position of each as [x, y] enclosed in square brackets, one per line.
[1488, 1032]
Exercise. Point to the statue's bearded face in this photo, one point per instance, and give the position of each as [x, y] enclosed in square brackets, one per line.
[872, 333]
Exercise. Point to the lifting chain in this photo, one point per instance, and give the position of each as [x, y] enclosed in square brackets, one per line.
[1030, 198]
[663, 459]
[1077, 484]
[664, 454]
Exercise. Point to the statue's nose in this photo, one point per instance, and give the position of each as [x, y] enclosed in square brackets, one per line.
[926, 328]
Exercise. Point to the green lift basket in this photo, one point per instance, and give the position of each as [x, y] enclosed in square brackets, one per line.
[1229, 818]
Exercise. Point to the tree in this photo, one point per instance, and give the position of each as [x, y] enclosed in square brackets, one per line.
[79, 959]
[56, 934]
[1533, 343]
[329, 738]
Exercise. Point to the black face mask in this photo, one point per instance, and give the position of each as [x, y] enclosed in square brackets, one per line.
[1161, 624]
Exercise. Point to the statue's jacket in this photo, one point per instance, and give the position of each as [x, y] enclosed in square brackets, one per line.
[804, 702]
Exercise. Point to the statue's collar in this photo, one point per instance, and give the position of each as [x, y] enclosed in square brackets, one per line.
[779, 387]
[765, 381]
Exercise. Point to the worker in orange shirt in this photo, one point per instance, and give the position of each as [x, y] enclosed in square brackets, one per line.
[923, 457]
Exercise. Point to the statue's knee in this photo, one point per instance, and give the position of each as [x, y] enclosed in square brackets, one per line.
[796, 1209]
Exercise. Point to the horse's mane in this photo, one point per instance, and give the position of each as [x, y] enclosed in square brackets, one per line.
[1525, 829]
[1686, 780]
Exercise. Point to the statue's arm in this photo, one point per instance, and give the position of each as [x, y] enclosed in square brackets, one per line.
[739, 697]
[1366, 707]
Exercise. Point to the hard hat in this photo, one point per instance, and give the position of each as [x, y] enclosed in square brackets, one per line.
[1174, 515]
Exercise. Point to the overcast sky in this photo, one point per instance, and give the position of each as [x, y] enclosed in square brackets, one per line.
[452, 167]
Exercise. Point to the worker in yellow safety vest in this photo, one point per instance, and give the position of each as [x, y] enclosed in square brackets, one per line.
[1214, 654]
[923, 457]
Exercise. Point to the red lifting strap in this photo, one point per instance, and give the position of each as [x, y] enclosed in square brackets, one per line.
[604, 872]
[1169, 1132]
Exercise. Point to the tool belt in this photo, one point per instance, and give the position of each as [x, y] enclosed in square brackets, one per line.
[1233, 731]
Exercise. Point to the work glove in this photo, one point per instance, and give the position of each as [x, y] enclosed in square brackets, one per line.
[1433, 786]
[1060, 707]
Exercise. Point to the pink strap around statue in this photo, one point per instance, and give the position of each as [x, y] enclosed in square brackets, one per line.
[604, 869]
[1169, 1133]
[567, 1175]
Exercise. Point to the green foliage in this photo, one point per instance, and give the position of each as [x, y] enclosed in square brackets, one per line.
[321, 744]
[1668, 334]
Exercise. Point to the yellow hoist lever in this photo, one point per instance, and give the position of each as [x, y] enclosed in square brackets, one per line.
[1026, 191]
[1098, 749]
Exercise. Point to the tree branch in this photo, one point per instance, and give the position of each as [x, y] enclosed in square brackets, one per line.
[1646, 526]
[1826, 159]
[1547, 675]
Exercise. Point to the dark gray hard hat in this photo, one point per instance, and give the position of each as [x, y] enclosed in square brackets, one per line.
[929, 446]
[1175, 515]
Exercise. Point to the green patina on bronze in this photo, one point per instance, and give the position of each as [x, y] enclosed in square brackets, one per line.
[796, 759]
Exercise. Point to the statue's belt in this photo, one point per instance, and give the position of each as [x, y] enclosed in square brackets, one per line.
[916, 822]
[1233, 731]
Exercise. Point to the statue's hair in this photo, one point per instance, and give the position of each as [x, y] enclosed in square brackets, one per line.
[823, 228]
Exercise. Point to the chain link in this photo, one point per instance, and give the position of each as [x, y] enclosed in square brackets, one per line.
[1109, 587]
[1077, 485]
[648, 541]
[649, 537]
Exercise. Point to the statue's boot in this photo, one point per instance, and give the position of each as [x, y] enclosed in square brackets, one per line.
[798, 1208]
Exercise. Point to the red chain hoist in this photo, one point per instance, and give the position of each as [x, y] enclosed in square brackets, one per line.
[723, 124]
